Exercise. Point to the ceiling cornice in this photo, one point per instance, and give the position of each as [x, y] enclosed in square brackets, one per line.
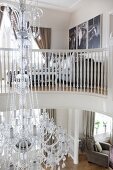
[51, 6]
[74, 6]
[47, 5]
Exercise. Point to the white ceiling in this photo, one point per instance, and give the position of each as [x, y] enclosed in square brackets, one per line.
[65, 5]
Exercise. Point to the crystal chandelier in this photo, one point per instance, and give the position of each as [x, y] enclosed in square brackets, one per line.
[29, 141]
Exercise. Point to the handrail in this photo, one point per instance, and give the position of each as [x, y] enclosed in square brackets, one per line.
[59, 50]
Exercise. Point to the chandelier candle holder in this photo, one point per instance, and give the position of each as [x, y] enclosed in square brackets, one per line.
[29, 141]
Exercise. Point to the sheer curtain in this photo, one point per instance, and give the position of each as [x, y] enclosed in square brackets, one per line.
[1, 13]
[88, 121]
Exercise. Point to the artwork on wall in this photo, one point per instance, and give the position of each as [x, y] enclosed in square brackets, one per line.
[82, 36]
[72, 38]
[86, 35]
[94, 32]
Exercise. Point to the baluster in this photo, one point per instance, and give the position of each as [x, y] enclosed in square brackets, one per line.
[5, 71]
[1, 70]
[15, 54]
[38, 70]
[56, 69]
[91, 70]
[63, 72]
[102, 72]
[84, 71]
[12, 68]
[70, 70]
[34, 70]
[8, 72]
[45, 70]
[94, 72]
[59, 70]
[77, 65]
[16, 67]
[31, 66]
[49, 73]
[53, 72]
[42, 71]
[67, 74]
[99, 72]
[88, 73]
[73, 70]
[81, 55]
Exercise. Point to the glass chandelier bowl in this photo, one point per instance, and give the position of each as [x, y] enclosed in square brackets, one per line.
[29, 140]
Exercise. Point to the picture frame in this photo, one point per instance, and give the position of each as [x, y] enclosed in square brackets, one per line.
[87, 35]
[94, 32]
[72, 38]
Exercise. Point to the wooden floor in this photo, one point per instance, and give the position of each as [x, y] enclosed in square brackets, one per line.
[83, 165]
[4, 88]
[70, 89]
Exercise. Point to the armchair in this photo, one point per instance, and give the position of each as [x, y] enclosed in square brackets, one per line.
[100, 158]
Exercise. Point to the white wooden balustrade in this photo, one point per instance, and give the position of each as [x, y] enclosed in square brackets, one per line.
[58, 70]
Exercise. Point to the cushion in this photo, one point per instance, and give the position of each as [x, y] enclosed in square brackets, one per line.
[98, 146]
[90, 144]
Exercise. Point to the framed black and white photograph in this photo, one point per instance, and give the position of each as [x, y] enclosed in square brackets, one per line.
[82, 36]
[72, 38]
[94, 32]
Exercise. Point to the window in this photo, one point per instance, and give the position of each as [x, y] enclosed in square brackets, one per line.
[6, 33]
[103, 124]
[8, 40]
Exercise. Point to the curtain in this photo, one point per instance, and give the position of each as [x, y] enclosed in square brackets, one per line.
[1, 13]
[88, 121]
[13, 18]
[44, 42]
[111, 132]
[51, 112]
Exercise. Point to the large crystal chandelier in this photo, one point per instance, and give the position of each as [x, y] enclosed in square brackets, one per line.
[29, 141]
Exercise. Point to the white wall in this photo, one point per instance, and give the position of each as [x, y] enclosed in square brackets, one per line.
[62, 118]
[63, 100]
[87, 9]
[59, 22]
